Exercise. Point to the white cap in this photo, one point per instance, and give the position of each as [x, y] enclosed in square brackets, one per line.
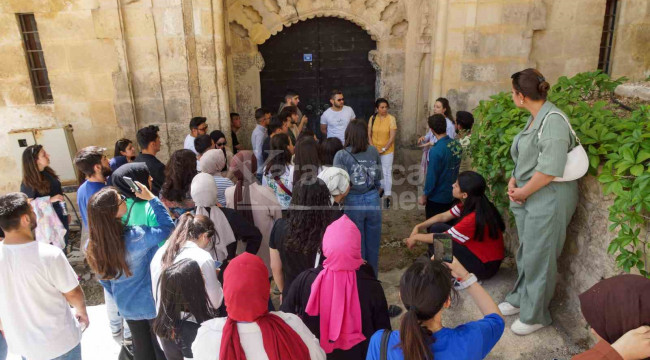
[336, 179]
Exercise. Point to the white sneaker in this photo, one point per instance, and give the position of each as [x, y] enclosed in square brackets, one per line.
[523, 329]
[508, 309]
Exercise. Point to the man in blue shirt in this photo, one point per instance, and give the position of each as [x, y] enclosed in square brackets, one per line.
[93, 164]
[442, 169]
[258, 136]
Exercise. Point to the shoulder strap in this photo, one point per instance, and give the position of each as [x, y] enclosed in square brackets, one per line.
[541, 127]
[282, 186]
[372, 121]
[383, 349]
[355, 159]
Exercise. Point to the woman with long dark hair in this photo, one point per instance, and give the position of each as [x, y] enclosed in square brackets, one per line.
[426, 291]
[175, 191]
[382, 128]
[296, 240]
[343, 284]
[278, 172]
[254, 202]
[184, 305]
[124, 153]
[40, 180]
[120, 256]
[478, 234]
[328, 149]
[306, 160]
[441, 106]
[362, 205]
[541, 204]
[192, 239]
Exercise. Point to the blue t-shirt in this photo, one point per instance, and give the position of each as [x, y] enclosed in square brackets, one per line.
[84, 193]
[471, 341]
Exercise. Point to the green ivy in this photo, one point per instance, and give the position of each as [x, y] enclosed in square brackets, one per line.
[618, 145]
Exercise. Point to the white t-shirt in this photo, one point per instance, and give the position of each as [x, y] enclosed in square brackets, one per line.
[189, 144]
[36, 318]
[337, 121]
[207, 343]
[189, 251]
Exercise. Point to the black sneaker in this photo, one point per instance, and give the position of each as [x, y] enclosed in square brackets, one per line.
[387, 203]
[394, 310]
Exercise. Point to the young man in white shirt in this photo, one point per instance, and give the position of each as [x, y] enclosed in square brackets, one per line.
[197, 127]
[335, 120]
[38, 287]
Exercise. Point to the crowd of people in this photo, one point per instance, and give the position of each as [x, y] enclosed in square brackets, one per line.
[187, 252]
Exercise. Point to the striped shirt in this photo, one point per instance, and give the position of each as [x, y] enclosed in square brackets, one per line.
[222, 184]
[463, 233]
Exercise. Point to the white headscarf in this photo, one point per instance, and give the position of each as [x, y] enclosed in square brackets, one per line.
[336, 179]
[204, 193]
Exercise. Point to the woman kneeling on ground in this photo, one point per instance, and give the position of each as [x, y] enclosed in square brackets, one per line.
[478, 234]
[425, 290]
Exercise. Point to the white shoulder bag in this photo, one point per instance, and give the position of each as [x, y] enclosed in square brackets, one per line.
[577, 162]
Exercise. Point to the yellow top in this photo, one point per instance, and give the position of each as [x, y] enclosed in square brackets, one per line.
[381, 132]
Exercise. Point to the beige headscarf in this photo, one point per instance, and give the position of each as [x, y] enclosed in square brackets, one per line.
[336, 179]
[204, 193]
[212, 161]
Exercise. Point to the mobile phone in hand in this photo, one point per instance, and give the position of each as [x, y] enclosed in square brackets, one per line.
[217, 264]
[442, 247]
[132, 184]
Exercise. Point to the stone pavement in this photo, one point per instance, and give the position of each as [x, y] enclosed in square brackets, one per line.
[96, 343]
[551, 342]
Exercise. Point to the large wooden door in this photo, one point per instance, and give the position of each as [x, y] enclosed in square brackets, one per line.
[315, 56]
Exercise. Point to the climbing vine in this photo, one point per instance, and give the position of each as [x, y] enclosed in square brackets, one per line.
[616, 140]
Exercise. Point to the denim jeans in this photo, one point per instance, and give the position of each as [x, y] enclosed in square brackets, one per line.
[3, 347]
[365, 211]
[115, 320]
[74, 354]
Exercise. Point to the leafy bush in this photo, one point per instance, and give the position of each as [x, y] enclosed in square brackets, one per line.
[618, 148]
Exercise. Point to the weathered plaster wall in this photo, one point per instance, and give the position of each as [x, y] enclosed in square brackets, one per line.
[569, 43]
[82, 58]
[631, 54]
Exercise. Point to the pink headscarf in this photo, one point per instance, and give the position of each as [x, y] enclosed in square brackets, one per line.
[334, 293]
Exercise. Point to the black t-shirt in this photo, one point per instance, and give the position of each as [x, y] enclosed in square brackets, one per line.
[292, 263]
[55, 187]
[156, 170]
[235, 142]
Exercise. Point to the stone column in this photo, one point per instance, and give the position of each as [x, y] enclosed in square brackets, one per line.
[221, 78]
[438, 53]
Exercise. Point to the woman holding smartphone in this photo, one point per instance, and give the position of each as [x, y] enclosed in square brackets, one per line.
[478, 233]
[120, 256]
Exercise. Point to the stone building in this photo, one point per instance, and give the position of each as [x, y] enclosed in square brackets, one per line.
[113, 66]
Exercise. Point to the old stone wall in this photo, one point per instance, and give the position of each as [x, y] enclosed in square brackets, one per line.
[82, 59]
[631, 53]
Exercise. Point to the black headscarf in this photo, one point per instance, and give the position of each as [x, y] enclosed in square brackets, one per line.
[616, 305]
[136, 171]
[215, 136]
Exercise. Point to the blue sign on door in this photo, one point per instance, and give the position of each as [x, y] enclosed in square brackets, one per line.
[306, 57]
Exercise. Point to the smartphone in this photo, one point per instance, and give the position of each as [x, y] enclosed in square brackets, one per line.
[217, 264]
[442, 246]
[132, 184]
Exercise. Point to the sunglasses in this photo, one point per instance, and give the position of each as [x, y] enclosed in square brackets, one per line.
[122, 200]
[221, 143]
[341, 99]
[203, 128]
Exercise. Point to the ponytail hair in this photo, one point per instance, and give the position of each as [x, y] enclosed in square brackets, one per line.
[531, 83]
[424, 288]
[189, 227]
[487, 215]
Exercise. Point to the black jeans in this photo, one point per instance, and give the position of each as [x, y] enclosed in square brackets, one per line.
[434, 208]
[181, 347]
[470, 261]
[145, 344]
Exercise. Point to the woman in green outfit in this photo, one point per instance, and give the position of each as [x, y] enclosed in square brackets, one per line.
[542, 207]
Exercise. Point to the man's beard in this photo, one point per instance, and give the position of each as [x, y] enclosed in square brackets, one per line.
[106, 171]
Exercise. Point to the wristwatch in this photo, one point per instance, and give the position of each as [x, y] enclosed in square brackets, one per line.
[383, 149]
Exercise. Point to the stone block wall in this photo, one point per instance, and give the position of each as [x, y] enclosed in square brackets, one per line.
[631, 52]
[82, 58]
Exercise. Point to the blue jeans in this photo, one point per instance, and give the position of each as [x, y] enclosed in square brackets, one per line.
[115, 320]
[3, 347]
[365, 211]
[74, 354]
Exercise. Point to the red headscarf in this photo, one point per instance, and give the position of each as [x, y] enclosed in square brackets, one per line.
[246, 292]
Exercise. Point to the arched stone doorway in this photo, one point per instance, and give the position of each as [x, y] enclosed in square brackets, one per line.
[315, 56]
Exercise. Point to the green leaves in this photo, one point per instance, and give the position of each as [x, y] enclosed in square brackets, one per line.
[618, 149]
